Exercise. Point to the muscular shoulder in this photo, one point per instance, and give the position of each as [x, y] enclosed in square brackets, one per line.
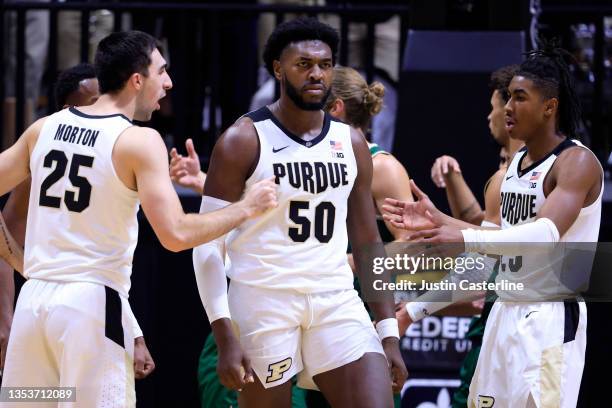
[32, 132]
[388, 165]
[579, 157]
[233, 160]
[239, 137]
[138, 148]
[137, 140]
[576, 164]
[238, 146]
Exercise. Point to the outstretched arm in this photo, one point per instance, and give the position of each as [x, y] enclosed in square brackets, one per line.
[575, 183]
[143, 150]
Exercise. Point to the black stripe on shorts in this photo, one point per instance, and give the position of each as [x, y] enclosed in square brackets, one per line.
[572, 316]
[112, 326]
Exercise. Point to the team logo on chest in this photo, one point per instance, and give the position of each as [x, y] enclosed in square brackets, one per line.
[336, 149]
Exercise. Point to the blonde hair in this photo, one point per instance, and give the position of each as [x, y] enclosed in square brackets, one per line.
[361, 101]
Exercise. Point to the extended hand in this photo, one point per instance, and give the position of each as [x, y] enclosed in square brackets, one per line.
[186, 171]
[414, 216]
[143, 362]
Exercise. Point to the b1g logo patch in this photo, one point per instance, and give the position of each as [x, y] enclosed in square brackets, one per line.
[485, 401]
[277, 370]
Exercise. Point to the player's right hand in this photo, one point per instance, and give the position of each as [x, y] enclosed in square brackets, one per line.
[441, 167]
[234, 367]
[419, 215]
[261, 197]
[143, 361]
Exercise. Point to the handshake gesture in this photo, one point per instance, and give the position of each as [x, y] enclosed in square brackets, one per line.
[428, 224]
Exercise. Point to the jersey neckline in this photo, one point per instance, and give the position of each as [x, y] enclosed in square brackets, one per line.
[297, 139]
[558, 149]
[85, 115]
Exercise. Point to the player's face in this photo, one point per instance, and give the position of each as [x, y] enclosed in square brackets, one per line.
[305, 72]
[497, 119]
[154, 88]
[86, 95]
[527, 110]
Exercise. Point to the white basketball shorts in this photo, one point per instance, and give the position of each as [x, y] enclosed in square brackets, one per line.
[72, 334]
[285, 332]
[532, 356]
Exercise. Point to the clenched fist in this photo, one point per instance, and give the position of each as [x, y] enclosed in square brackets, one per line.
[261, 197]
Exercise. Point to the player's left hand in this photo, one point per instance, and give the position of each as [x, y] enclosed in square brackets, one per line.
[185, 170]
[399, 373]
[143, 362]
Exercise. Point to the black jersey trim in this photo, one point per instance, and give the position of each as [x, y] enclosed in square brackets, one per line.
[85, 115]
[556, 151]
[113, 329]
[259, 115]
[572, 318]
[305, 143]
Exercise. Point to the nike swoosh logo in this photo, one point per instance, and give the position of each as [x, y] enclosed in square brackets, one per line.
[278, 150]
[529, 314]
[509, 177]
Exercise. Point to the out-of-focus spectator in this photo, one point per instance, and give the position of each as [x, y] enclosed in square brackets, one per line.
[36, 45]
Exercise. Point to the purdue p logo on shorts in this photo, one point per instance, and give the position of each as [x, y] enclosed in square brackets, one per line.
[485, 401]
[277, 370]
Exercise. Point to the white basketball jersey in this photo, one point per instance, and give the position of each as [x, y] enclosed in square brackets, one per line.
[82, 224]
[522, 196]
[302, 243]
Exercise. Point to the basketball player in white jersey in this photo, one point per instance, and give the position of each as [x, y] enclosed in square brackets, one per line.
[90, 169]
[292, 308]
[75, 86]
[532, 353]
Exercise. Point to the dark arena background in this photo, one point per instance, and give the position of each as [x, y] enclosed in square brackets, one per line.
[433, 56]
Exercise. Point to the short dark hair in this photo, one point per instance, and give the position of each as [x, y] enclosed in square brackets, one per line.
[299, 29]
[68, 81]
[119, 55]
[500, 80]
[548, 69]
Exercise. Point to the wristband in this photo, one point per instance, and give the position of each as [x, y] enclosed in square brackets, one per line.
[417, 310]
[387, 328]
